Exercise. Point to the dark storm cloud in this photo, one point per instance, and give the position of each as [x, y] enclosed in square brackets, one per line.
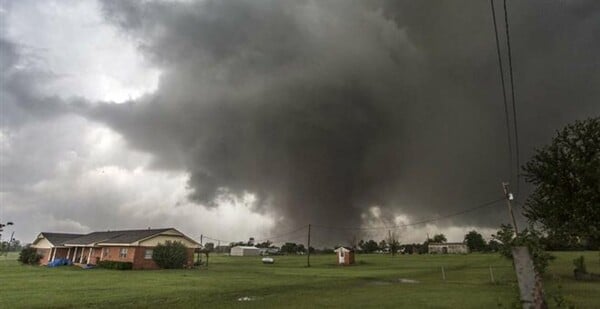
[325, 108]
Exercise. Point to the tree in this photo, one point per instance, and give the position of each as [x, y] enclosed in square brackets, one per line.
[210, 247]
[383, 246]
[29, 256]
[171, 254]
[566, 176]
[289, 247]
[475, 241]
[264, 244]
[530, 238]
[369, 247]
[393, 242]
[439, 238]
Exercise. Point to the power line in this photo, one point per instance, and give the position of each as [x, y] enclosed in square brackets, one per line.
[262, 239]
[512, 91]
[506, 114]
[415, 223]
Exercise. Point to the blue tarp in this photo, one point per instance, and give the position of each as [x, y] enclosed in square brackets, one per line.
[60, 262]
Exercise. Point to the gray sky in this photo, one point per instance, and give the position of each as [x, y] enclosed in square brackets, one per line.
[250, 118]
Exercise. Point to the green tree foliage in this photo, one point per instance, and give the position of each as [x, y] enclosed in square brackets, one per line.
[566, 175]
[289, 248]
[265, 244]
[171, 254]
[29, 256]
[439, 238]
[369, 246]
[530, 238]
[475, 241]
[383, 245]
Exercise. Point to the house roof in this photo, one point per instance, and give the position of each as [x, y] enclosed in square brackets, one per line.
[59, 239]
[347, 249]
[116, 237]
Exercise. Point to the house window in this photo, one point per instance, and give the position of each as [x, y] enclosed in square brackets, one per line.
[341, 253]
[106, 251]
[123, 253]
[148, 255]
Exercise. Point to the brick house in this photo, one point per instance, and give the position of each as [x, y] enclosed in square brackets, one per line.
[134, 246]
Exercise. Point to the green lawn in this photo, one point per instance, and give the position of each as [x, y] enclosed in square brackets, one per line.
[373, 282]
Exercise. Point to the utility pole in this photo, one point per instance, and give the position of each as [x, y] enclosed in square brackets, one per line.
[391, 242]
[509, 197]
[308, 255]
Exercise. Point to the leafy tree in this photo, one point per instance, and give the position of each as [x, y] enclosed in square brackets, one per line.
[493, 245]
[369, 247]
[171, 254]
[393, 243]
[209, 246]
[29, 256]
[530, 238]
[566, 176]
[439, 238]
[383, 246]
[264, 244]
[300, 249]
[475, 241]
[289, 248]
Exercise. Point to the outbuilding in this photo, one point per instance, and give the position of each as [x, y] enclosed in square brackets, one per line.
[345, 255]
[448, 247]
[244, 251]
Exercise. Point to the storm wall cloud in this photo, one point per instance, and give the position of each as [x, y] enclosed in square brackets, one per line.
[323, 110]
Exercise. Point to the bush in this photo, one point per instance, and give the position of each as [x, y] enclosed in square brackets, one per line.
[172, 254]
[115, 265]
[29, 256]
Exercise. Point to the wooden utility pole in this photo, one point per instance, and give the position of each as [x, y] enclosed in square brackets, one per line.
[509, 198]
[308, 255]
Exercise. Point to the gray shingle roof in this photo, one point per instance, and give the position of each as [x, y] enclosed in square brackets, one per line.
[59, 239]
[116, 237]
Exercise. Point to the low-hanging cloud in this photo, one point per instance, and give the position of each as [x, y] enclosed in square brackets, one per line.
[324, 109]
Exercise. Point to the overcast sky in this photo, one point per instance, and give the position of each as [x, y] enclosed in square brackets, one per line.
[251, 118]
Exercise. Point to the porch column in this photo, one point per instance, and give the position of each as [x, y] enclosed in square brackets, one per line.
[54, 254]
[68, 253]
[50, 254]
[81, 257]
[74, 254]
[89, 256]
[101, 254]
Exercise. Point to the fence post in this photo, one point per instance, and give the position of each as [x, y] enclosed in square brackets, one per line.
[443, 274]
[491, 274]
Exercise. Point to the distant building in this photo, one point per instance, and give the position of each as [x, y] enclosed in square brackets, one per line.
[345, 255]
[447, 247]
[244, 251]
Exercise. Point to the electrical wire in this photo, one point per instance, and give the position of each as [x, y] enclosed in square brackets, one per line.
[512, 90]
[506, 113]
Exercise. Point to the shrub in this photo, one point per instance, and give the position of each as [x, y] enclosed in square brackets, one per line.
[115, 265]
[29, 256]
[171, 254]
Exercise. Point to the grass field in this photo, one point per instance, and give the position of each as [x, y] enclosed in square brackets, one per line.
[373, 282]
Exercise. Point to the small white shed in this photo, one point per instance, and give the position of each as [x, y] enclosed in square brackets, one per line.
[244, 251]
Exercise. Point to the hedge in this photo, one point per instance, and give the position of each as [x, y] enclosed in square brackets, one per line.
[115, 265]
